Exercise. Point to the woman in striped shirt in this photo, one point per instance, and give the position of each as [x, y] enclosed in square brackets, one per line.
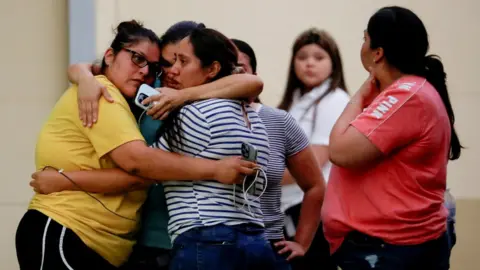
[213, 225]
[228, 228]
[289, 148]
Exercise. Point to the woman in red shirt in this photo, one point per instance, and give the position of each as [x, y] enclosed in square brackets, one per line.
[384, 203]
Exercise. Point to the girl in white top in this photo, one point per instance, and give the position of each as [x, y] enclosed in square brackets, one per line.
[315, 96]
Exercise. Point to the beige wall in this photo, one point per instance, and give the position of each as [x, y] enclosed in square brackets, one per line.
[32, 67]
[34, 59]
[271, 27]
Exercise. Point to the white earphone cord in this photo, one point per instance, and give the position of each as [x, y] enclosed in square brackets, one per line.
[245, 192]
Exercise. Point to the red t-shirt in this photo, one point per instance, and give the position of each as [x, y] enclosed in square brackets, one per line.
[400, 199]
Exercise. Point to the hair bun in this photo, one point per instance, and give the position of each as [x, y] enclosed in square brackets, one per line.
[201, 26]
[128, 26]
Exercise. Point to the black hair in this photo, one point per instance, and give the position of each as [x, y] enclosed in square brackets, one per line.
[179, 31]
[128, 33]
[404, 40]
[209, 46]
[246, 49]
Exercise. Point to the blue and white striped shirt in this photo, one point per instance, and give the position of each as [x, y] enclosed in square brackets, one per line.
[213, 129]
[286, 139]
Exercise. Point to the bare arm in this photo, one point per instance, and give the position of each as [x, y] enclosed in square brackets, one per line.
[322, 156]
[303, 167]
[349, 148]
[89, 91]
[235, 86]
[93, 181]
[309, 177]
[161, 165]
[139, 160]
[79, 72]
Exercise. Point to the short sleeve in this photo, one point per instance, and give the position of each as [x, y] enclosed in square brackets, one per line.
[394, 119]
[188, 134]
[295, 138]
[329, 110]
[115, 126]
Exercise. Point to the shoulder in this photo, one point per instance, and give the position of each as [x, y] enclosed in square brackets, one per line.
[337, 96]
[112, 89]
[405, 95]
[270, 112]
[207, 105]
[407, 90]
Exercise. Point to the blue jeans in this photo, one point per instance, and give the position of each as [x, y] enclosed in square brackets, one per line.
[281, 262]
[452, 210]
[223, 247]
[361, 252]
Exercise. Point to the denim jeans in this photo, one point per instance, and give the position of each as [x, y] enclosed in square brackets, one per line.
[281, 262]
[223, 247]
[359, 252]
[452, 209]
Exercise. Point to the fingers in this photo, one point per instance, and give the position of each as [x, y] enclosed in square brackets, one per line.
[165, 116]
[34, 186]
[159, 109]
[246, 163]
[286, 248]
[163, 108]
[88, 112]
[151, 99]
[246, 171]
[81, 112]
[106, 94]
[94, 106]
[293, 255]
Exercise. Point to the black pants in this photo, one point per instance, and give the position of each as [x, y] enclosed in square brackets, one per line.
[363, 252]
[148, 258]
[318, 255]
[44, 244]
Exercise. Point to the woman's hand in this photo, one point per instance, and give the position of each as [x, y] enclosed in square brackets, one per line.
[295, 249]
[232, 170]
[162, 104]
[90, 90]
[48, 181]
[368, 91]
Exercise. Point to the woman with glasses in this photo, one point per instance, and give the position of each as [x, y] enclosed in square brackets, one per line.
[153, 242]
[78, 230]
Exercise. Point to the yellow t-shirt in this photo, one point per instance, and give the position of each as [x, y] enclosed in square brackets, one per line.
[64, 143]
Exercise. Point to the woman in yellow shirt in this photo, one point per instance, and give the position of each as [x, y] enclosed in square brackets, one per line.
[76, 230]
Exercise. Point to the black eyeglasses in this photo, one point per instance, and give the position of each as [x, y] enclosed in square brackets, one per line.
[140, 61]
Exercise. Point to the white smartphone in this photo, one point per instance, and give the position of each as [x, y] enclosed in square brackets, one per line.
[144, 92]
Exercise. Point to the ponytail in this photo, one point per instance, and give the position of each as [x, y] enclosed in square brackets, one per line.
[435, 75]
